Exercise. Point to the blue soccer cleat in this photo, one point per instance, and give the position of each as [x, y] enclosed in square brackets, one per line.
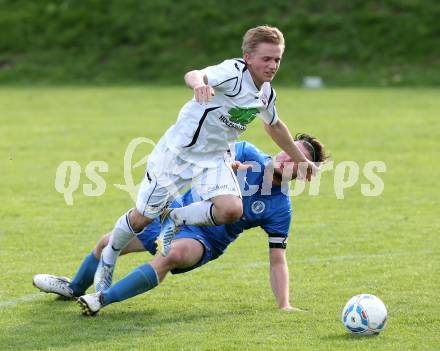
[103, 276]
[167, 232]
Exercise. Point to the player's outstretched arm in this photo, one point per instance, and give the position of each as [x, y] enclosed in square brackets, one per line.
[279, 277]
[281, 136]
[198, 81]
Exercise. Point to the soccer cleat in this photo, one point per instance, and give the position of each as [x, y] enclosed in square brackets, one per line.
[167, 231]
[103, 276]
[52, 284]
[91, 303]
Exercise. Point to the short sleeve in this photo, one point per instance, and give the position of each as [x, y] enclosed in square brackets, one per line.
[239, 152]
[246, 151]
[224, 76]
[269, 115]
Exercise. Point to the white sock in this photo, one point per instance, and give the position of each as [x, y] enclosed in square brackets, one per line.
[120, 237]
[198, 213]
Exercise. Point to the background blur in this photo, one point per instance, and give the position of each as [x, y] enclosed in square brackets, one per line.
[347, 43]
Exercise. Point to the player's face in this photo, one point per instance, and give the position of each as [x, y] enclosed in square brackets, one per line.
[263, 62]
[283, 160]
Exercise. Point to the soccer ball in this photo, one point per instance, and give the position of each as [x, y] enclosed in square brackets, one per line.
[364, 314]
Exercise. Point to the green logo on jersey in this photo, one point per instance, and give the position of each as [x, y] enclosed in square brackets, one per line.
[242, 115]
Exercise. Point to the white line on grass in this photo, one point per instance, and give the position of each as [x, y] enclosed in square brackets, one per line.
[25, 298]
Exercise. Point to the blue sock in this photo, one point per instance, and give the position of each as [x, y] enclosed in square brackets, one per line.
[134, 283]
[84, 277]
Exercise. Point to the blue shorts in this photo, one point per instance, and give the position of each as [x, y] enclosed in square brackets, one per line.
[210, 253]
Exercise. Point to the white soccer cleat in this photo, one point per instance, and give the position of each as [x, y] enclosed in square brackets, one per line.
[91, 303]
[103, 276]
[167, 232]
[52, 284]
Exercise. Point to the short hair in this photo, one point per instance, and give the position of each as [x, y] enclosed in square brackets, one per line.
[314, 146]
[261, 34]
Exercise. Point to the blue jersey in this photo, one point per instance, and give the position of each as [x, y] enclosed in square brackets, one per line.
[264, 205]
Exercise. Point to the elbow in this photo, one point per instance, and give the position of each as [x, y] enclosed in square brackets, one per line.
[195, 77]
[194, 72]
[187, 76]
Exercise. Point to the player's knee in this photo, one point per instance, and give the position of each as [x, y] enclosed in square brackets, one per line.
[176, 257]
[137, 221]
[232, 212]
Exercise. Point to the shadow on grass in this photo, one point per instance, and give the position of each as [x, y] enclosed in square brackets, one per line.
[347, 337]
[58, 323]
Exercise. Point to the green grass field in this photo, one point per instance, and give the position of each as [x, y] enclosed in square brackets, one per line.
[386, 245]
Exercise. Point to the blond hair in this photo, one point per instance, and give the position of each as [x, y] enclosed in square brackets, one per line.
[261, 34]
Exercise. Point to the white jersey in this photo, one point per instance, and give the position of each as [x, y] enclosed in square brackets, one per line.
[202, 133]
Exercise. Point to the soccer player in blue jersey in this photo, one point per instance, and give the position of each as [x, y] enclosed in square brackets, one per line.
[266, 204]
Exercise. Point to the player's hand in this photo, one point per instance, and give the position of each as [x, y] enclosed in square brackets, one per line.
[238, 166]
[307, 170]
[203, 93]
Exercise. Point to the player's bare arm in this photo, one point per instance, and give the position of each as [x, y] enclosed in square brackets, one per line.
[279, 277]
[281, 136]
[198, 81]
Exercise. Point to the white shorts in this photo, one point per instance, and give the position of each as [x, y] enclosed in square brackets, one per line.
[167, 175]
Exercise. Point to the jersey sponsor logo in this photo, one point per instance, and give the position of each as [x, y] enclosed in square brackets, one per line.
[258, 207]
[243, 115]
[239, 117]
[229, 123]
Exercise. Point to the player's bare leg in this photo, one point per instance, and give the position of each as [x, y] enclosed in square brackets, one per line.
[222, 209]
[184, 253]
[227, 209]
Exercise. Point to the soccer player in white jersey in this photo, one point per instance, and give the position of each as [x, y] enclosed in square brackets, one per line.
[227, 97]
